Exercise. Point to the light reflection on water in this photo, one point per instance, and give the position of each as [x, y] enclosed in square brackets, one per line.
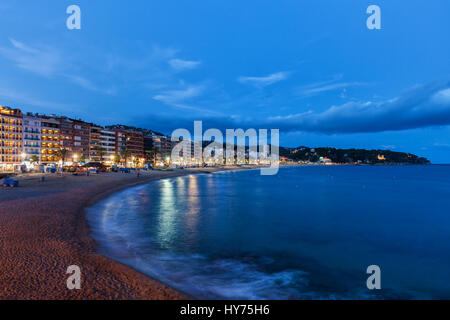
[168, 211]
[193, 209]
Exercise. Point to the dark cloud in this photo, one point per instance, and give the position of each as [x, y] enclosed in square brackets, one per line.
[422, 106]
[419, 107]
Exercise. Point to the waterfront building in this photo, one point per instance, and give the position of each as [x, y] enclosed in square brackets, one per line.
[11, 140]
[31, 138]
[142, 143]
[163, 144]
[40, 138]
[149, 153]
[132, 141]
[50, 139]
[96, 151]
[325, 160]
[75, 136]
[108, 144]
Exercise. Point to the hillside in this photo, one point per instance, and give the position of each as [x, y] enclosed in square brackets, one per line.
[351, 156]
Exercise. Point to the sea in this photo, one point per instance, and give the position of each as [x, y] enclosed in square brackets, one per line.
[309, 232]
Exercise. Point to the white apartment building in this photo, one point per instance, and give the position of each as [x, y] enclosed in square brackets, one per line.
[31, 137]
[108, 144]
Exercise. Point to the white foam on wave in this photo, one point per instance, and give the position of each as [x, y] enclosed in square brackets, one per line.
[223, 278]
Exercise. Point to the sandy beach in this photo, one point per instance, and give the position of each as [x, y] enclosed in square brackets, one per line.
[43, 231]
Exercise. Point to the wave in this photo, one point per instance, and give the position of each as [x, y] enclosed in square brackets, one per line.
[222, 278]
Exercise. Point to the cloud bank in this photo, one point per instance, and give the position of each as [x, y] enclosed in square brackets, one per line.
[419, 107]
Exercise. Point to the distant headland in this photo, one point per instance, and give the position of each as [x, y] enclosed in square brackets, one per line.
[349, 156]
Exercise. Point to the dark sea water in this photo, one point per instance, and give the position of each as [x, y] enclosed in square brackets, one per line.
[306, 233]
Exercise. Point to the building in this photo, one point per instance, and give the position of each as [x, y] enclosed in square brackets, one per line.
[325, 160]
[143, 143]
[108, 144]
[121, 141]
[158, 146]
[148, 148]
[75, 136]
[11, 140]
[163, 144]
[50, 139]
[31, 138]
[96, 152]
[131, 141]
[81, 138]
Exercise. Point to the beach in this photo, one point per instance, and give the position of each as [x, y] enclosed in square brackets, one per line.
[43, 231]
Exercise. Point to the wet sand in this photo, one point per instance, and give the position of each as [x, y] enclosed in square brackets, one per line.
[43, 230]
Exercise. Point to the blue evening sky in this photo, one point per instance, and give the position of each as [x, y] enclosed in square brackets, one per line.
[310, 68]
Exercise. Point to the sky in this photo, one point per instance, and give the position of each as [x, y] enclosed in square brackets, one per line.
[309, 68]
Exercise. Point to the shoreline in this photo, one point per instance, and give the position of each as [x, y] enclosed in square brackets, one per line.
[43, 230]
